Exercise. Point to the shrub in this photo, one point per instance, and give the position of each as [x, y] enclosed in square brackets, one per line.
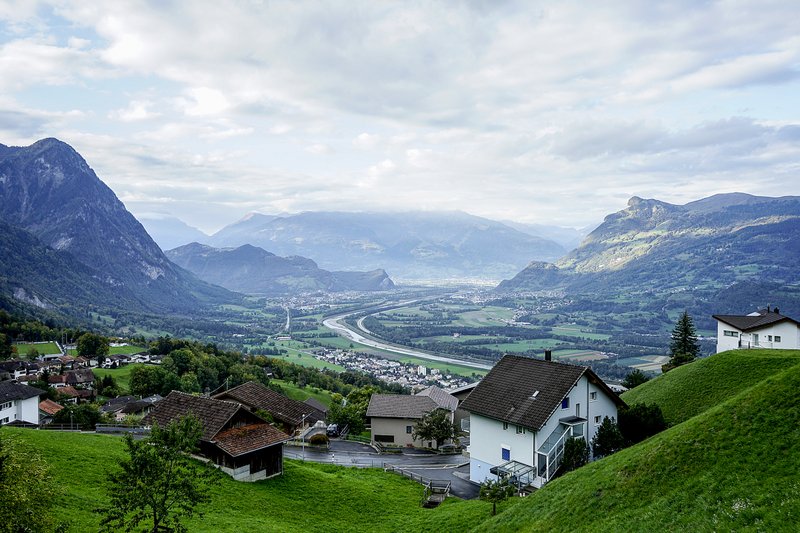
[640, 421]
[608, 439]
[576, 454]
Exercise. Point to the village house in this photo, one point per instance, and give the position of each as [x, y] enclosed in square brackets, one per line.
[392, 416]
[766, 328]
[47, 410]
[290, 414]
[523, 411]
[236, 440]
[19, 403]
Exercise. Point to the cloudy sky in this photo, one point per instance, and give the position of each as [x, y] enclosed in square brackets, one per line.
[546, 112]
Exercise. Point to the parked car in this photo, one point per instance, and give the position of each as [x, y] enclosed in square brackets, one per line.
[333, 430]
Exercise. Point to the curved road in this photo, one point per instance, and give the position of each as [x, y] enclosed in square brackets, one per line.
[336, 323]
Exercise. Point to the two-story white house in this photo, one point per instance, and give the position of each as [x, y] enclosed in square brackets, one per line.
[19, 402]
[524, 410]
[766, 328]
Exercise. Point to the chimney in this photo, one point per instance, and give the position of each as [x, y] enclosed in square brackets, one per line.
[548, 355]
[776, 311]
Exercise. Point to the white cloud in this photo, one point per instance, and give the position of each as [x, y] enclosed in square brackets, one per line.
[135, 111]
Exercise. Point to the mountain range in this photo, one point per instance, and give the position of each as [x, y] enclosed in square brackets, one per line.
[253, 270]
[710, 244]
[411, 245]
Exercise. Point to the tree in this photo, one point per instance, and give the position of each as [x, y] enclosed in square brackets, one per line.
[607, 439]
[84, 416]
[436, 426]
[634, 379]
[495, 492]
[640, 421]
[576, 454]
[683, 347]
[93, 345]
[33, 353]
[159, 484]
[25, 489]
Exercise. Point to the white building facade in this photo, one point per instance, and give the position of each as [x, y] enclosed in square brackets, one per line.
[19, 402]
[762, 329]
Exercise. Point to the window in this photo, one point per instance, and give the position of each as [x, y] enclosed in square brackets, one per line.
[729, 333]
[769, 338]
[597, 420]
[408, 430]
[505, 453]
[593, 396]
[520, 429]
[4, 421]
[777, 338]
[505, 426]
[6, 405]
[565, 403]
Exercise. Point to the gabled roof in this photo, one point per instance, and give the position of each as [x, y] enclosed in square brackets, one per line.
[49, 407]
[115, 404]
[509, 391]
[443, 399]
[257, 396]
[400, 406]
[213, 414]
[753, 322]
[246, 439]
[17, 391]
[316, 404]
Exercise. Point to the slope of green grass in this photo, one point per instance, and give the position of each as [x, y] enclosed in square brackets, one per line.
[122, 374]
[731, 468]
[307, 497]
[302, 394]
[689, 390]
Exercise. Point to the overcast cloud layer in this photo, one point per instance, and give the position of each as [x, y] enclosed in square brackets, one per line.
[548, 112]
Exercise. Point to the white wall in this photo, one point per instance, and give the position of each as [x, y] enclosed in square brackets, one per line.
[395, 427]
[787, 331]
[25, 410]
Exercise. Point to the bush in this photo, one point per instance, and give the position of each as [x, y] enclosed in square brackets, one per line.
[640, 421]
[576, 454]
[319, 440]
[608, 439]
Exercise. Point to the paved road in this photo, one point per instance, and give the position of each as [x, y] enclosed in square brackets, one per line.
[431, 466]
[337, 324]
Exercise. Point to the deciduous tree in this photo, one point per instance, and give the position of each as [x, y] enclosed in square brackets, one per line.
[159, 484]
[495, 492]
[93, 345]
[436, 426]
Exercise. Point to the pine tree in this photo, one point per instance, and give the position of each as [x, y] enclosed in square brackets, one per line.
[683, 347]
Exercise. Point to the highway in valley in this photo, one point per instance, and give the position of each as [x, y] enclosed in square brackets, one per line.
[362, 336]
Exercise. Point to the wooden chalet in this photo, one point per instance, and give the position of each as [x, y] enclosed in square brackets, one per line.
[236, 440]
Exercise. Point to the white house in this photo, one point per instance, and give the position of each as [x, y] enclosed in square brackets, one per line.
[523, 411]
[19, 402]
[763, 329]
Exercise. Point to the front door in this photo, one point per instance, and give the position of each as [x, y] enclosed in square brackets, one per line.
[577, 409]
[755, 339]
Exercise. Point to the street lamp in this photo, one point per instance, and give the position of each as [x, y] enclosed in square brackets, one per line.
[302, 439]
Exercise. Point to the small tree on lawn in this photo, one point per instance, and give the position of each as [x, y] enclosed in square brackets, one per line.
[683, 347]
[576, 454]
[634, 379]
[607, 439]
[159, 483]
[495, 492]
[436, 426]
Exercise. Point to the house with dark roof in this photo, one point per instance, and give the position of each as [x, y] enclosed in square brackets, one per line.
[524, 410]
[766, 328]
[290, 414]
[236, 440]
[392, 416]
[19, 403]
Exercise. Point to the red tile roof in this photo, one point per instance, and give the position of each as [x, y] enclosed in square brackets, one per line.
[49, 407]
[245, 439]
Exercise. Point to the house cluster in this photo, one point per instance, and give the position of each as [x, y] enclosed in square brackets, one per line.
[406, 374]
[71, 376]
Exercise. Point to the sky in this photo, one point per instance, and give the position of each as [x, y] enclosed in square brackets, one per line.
[540, 112]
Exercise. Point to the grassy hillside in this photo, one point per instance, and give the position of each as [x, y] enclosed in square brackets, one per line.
[308, 497]
[732, 468]
[691, 389]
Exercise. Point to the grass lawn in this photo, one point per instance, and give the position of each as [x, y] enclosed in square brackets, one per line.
[44, 348]
[122, 374]
[691, 389]
[305, 359]
[307, 497]
[116, 350]
[296, 393]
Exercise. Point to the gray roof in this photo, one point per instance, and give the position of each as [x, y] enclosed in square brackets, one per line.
[763, 319]
[400, 406]
[17, 391]
[213, 414]
[507, 392]
[442, 398]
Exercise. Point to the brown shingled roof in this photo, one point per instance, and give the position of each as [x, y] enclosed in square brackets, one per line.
[507, 391]
[400, 406]
[49, 407]
[257, 396]
[213, 414]
[245, 439]
[747, 323]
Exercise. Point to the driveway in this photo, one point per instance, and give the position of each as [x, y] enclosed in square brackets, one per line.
[451, 468]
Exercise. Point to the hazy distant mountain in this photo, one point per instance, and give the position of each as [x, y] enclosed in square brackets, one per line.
[253, 270]
[709, 244]
[409, 245]
[170, 232]
[569, 238]
[49, 190]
